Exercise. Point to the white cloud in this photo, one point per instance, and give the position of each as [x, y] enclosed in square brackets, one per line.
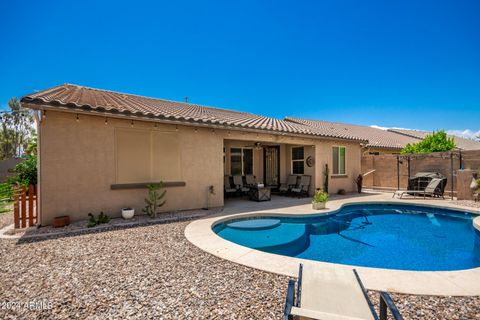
[386, 128]
[467, 133]
[378, 127]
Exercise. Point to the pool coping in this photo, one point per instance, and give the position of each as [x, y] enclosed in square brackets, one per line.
[443, 283]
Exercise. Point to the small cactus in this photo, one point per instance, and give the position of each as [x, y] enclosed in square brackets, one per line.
[325, 181]
[154, 199]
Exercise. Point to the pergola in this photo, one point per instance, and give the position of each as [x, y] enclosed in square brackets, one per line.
[441, 155]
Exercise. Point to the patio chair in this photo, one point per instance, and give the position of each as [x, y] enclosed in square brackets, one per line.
[430, 190]
[291, 183]
[303, 186]
[227, 186]
[250, 180]
[333, 294]
[238, 182]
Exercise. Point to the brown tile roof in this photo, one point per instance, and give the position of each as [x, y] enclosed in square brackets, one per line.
[462, 143]
[377, 138]
[89, 99]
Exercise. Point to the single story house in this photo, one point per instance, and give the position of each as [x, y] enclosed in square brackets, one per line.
[99, 149]
[390, 141]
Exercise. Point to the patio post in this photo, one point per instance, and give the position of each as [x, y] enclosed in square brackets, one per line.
[451, 174]
[408, 163]
[398, 173]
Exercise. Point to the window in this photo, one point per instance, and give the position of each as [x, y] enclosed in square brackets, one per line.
[338, 160]
[298, 160]
[146, 156]
[241, 161]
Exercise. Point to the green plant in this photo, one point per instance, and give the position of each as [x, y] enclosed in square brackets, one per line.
[436, 142]
[92, 222]
[326, 173]
[6, 192]
[26, 172]
[154, 199]
[320, 197]
[6, 197]
[102, 218]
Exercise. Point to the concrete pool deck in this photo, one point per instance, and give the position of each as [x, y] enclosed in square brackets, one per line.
[447, 283]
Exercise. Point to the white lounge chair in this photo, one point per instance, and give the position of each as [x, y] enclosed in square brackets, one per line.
[333, 294]
[430, 190]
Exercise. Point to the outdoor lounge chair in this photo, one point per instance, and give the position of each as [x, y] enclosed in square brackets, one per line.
[238, 182]
[333, 294]
[303, 186]
[430, 190]
[227, 186]
[291, 183]
[250, 180]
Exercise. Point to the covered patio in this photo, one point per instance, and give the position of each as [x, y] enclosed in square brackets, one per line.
[269, 164]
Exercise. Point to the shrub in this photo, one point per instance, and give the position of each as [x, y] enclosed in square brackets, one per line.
[26, 172]
[320, 197]
[436, 142]
[102, 218]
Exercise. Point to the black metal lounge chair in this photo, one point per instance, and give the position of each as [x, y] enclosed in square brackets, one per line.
[303, 186]
[333, 294]
[430, 190]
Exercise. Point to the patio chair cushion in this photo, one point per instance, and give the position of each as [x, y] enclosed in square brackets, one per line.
[303, 186]
[347, 300]
[238, 181]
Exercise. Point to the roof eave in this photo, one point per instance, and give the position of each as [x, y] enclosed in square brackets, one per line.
[38, 104]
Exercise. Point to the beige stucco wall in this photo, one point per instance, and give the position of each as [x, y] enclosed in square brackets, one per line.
[78, 165]
[324, 155]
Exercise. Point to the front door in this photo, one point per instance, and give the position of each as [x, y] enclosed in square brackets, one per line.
[271, 165]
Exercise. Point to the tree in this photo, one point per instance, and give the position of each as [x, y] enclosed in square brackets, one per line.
[31, 149]
[16, 130]
[436, 142]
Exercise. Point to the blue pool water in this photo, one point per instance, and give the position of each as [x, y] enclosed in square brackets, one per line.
[405, 237]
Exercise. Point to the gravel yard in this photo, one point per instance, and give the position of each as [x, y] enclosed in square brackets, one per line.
[6, 219]
[154, 272]
[467, 203]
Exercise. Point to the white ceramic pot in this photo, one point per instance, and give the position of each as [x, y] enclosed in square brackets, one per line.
[127, 213]
[318, 205]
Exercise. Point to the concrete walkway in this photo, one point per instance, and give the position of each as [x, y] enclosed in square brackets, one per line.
[449, 283]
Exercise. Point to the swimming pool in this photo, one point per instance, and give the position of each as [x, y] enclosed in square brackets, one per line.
[390, 236]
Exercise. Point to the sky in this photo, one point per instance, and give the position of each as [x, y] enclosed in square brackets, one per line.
[408, 64]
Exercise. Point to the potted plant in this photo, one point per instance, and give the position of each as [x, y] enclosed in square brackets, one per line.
[319, 200]
[127, 213]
